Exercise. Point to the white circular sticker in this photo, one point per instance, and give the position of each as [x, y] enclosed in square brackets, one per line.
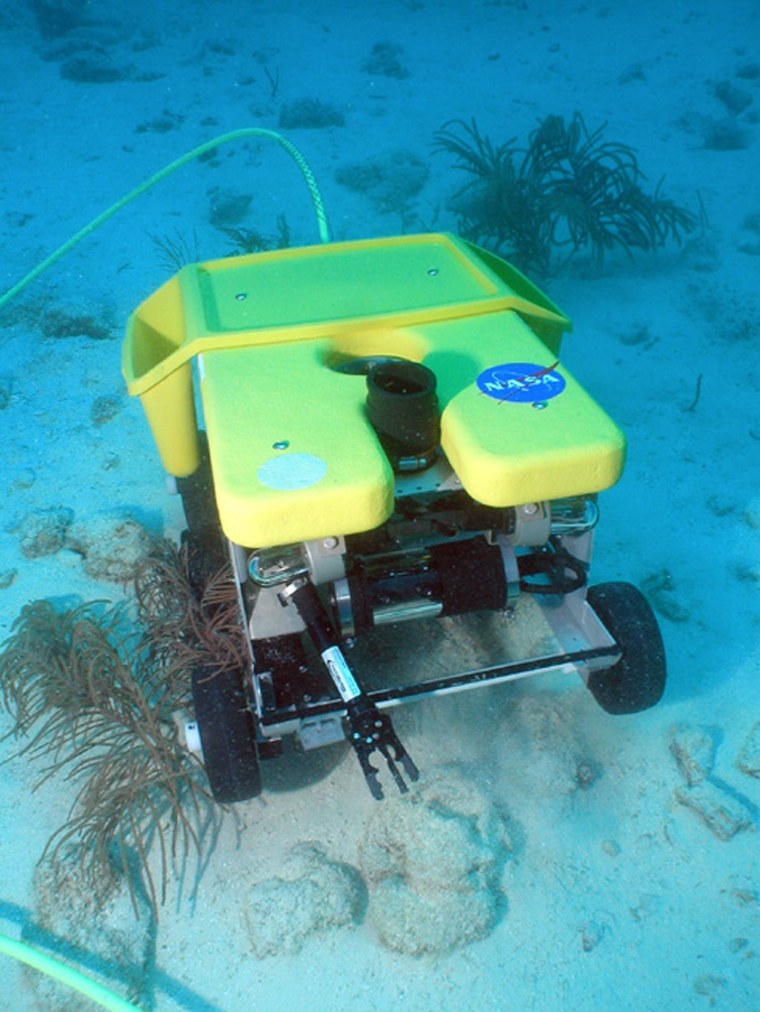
[291, 471]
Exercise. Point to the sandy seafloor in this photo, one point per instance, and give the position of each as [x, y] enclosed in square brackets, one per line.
[615, 896]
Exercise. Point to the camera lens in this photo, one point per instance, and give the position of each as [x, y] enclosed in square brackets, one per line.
[403, 410]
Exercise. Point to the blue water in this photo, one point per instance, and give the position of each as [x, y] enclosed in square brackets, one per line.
[552, 858]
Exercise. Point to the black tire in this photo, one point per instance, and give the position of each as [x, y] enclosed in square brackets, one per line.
[197, 492]
[228, 736]
[203, 537]
[206, 557]
[637, 681]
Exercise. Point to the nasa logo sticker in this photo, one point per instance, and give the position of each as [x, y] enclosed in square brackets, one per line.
[521, 382]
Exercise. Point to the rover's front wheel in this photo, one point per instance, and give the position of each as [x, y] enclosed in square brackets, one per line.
[637, 681]
[228, 735]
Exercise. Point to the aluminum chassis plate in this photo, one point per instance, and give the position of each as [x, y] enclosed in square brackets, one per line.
[542, 634]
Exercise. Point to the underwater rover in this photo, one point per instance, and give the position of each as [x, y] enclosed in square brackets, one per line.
[404, 476]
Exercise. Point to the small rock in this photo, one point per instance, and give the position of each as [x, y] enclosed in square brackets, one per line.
[385, 59]
[611, 847]
[649, 905]
[724, 815]
[751, 515]
[72, 322]
[281, 914]
[6, 390]
[424, 923]
[694, 751]
[586, 774]
[94, 68]
[745, 897]
[104, 409]
[310, 114]
[591, 933]
[719, 506]
[7, 576]
[748, 759]
[726, 135]
[734, 98]
[710, 987]
[431, 859]
[44, 531]
[660, 588]
[25, 478]
[389, 180]
[635, 72]
[228, 207]
[112, 550]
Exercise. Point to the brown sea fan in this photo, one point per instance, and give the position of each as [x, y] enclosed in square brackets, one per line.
[568, 190]
[97, 697]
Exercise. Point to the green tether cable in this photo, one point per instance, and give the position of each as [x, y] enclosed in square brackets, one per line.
[233, 135]
[64, 974]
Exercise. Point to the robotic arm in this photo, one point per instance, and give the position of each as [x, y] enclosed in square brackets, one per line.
[367, 728]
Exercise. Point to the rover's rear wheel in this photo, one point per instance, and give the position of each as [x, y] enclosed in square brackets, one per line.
[637, 681]
[227, 734]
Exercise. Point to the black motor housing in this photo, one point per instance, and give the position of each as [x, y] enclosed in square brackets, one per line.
[444, 579]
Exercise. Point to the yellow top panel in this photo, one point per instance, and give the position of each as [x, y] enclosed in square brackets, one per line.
[516, 426]
[318, 291]
[340, 282]
[293, 454]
